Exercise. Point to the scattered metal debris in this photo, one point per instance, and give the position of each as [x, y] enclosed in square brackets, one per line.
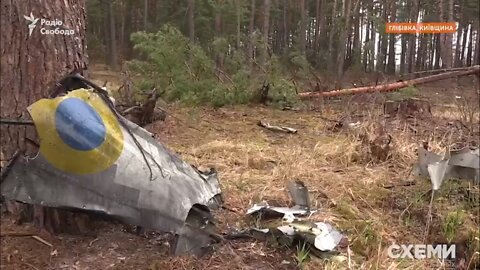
[267, 210]
[88, 160]
[320, 236]
[460, 164]
[299, 193]
[277, 128]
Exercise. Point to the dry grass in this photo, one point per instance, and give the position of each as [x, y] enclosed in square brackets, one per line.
[345, 182]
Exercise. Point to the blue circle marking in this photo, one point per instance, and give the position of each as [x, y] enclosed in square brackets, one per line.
[79, 125]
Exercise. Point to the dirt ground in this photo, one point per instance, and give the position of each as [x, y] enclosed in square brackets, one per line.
[372, 201]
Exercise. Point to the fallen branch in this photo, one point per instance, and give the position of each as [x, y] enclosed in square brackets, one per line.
[26, 234]
[392, 86]
[16, 234]
[277, 128]
[435, 71]
[39, 239]
[16, 122]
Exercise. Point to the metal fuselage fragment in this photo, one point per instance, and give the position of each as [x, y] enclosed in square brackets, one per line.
[89, 161]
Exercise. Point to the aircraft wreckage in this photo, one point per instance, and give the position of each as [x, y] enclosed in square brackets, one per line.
[93, 159]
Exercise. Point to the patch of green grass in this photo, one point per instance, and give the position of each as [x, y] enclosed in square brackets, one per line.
[369, 234]
[367, 239]
[346, 210]
[474, 240]
[472, 197]
[302, 254]
[404, 93]
[418, 200]
[407, 220]
[451, 224]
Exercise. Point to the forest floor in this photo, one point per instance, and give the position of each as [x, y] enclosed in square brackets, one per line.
[368, 200]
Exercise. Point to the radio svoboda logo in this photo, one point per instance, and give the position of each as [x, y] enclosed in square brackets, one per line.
[48, 27]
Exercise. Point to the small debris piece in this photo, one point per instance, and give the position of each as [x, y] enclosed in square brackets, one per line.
[460, 164]
[276, 128]
[268, 210]
[320, 236]
[299, 193]
[41, 240]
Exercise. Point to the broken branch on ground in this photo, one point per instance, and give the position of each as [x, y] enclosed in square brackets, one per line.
[276, 128]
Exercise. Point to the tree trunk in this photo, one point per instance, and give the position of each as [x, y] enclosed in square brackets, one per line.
[373, 40]
[31, 65]
[333, 26]
[470, 46]
[356, 50]
[145, 15]
[413, 39]
[457, 62]
[129, 29]
[391, 44]
[286, 33]
[464, 45]
[422, 53]
[437, 52]
[218, 29]
[121, 34]
[403, 55]
[265, 30]
[383, 42]
[191, 20]
[301, 28]
[251, 38]
[477, 48]
[112, 43]
[343, 37]
[318, 25]
[446, 39]
[367, 42]
[238, 8]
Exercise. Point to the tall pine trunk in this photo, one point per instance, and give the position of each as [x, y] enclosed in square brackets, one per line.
[331, 36]
[145, 15]
[383, 42]
[446, 39]
[112, 42]
[403, 54]
[477, 48]
[265, 31]
[31, 65]
[342, 43]
[391, 44]
[191, 20]
[412, 42]
[437, 52]
[301, 28]
[470, 46]
[218, 30]
[458, 50]
[251, 40]
[356, 50]
[366, 46]
[373, 40]
[319, 7]
[464, 45]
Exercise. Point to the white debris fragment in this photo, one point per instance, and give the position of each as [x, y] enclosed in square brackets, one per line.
[328, 238]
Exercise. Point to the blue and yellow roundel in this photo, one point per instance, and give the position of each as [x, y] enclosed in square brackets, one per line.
[78, 132]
